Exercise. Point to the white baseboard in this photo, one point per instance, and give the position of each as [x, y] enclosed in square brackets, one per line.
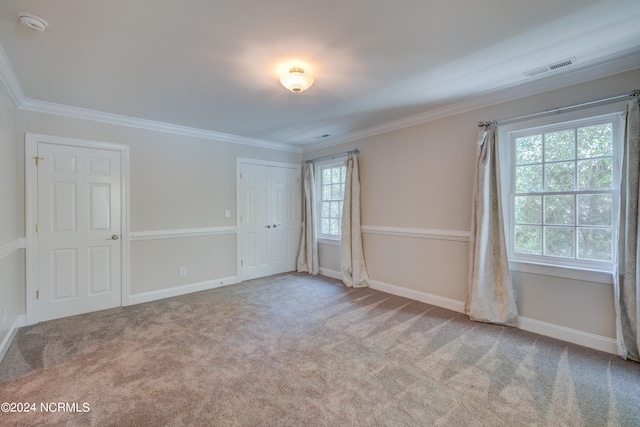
[574, 336]
[20, 321]
[331, 273]
[438, 301]
[181, 290]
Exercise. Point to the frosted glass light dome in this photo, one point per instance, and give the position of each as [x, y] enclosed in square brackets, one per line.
[296, 80]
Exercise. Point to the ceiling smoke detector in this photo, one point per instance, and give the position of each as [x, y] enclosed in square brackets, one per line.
[32, 21]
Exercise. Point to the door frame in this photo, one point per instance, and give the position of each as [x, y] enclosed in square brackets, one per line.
[31, 211]
[239, 162]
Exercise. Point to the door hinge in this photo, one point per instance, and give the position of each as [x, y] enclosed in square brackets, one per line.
[298, 180]
[240, 175]
[38, 160]
[37, 228]
[241, 262]
[37, 294]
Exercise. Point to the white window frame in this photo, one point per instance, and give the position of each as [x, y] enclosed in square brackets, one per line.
[587, 270]
[329, 239]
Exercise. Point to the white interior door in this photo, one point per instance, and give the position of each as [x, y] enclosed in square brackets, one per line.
[79, 229]
[284, 215]
[270, 220]
[256, 222]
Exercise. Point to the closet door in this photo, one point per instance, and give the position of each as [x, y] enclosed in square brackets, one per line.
[269, 219]
[284, 214]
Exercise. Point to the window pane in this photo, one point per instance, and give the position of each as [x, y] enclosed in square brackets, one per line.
[335, 175]
[335, 210]
[595, 141]
[595, 174]
[559, 210]
[529, 150]
[326, 176]
[595, 209]
[559, 176]
[529, 179]
[324, 226]
[326, 192]
[559, 241]
[594, 243]
[335, 226]
[559, 145]
[325, 210]
[336, 192]
[528, 210]
[528, 239]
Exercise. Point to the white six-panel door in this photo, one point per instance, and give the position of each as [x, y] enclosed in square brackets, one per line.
[284, 215]
[255, 191]
[269, 215]
[79, 236]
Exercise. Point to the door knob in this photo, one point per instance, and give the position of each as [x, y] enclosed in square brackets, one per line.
[268, 226]
[114, 237]
[274, 226]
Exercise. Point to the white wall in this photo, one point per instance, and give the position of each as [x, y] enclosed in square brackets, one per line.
[12, 285]
[177, 183]
[421, 177]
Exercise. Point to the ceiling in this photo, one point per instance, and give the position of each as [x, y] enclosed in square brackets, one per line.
[215, 65]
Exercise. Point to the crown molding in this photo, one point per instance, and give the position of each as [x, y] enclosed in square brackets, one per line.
[10, 80]
[121, 120]
[573, 76]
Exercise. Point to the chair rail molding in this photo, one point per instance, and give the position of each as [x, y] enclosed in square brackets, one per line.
[181, 233]
[9, 248]
[421, 233]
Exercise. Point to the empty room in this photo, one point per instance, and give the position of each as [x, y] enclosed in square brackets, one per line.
[332, 213]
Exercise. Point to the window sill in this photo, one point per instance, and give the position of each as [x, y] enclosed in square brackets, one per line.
[326, 241]
[595, 276]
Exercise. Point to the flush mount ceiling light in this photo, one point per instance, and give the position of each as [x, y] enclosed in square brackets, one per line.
[32, 21]
[296, 80]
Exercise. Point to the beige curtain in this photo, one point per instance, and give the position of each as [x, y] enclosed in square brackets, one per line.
[626, 268]
[308, 253]
[354, 271]
[490, 297]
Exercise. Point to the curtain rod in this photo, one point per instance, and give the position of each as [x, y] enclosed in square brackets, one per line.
[333, 156]
[633, 93]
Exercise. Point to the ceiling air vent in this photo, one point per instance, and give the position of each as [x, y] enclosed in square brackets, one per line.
[551, 67]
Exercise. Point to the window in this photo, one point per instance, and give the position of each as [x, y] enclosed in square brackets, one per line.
[331, 191]
[562, 192]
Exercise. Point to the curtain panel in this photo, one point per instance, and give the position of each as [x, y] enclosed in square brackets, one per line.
[490, 296]
[308, 253]
[626, 278]
[354, 271]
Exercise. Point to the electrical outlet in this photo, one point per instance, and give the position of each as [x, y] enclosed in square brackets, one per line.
[228, 213]
[183, 271]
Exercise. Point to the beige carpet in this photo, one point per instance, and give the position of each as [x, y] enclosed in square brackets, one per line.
[293, 350]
